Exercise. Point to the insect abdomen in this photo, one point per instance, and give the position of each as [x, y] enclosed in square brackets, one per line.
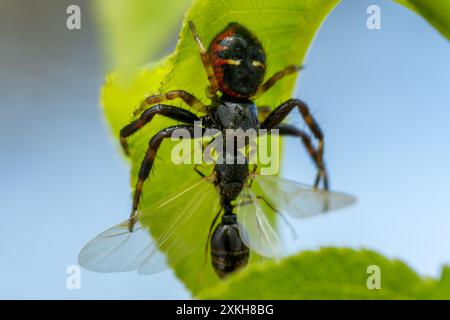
[228, 252]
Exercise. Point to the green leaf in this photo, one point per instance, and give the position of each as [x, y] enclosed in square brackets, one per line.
[442, 289]
[330, 273]
[436, 12]
[134, 32]
[285, 28]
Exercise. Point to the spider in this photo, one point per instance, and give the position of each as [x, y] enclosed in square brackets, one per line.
[235, 64]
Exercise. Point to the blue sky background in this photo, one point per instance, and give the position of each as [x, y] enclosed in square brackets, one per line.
[382, 98]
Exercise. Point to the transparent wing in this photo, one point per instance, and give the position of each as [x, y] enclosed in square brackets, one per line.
[299, 200]
[167, 232]
[277, 195]
[256, 231]
[117, 249]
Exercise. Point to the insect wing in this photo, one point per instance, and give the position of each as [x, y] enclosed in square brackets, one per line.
[117, 249]
[176, 221]
[299, 200]
[184, 221]
[256, 231]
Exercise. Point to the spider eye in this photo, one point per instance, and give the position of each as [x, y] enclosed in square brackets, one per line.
[258, 64]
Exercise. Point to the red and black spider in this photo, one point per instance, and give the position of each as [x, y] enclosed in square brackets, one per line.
[235, 64]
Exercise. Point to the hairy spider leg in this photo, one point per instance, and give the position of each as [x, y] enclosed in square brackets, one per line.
[147, 164]
[204, 55]
[277, 77]
[174, 113]
[188, 98]
[274, 120]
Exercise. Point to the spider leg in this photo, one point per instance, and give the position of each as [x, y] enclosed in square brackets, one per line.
[171, 112]
[288, 130]
[212, 88]
[188, 98]
[277, 77]
[273, 121]
[147, 164]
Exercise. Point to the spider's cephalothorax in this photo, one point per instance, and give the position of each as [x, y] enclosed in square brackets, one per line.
[238, 61]
[235, 64]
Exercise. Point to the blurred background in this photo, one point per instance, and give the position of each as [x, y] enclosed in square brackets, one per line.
[382, 98]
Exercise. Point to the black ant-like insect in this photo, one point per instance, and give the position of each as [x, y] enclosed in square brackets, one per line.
[235, 64]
